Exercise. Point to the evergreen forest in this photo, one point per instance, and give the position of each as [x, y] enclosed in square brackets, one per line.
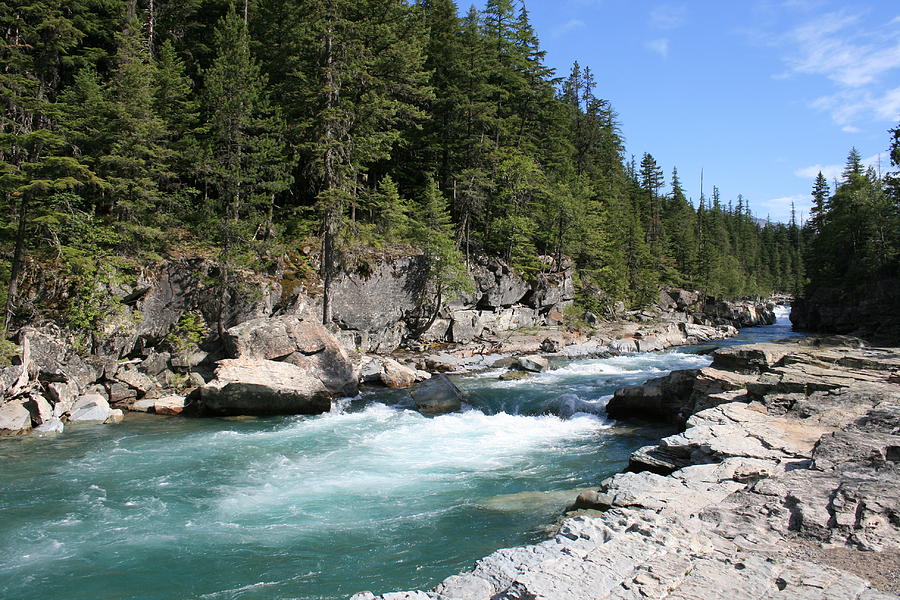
[244, 130]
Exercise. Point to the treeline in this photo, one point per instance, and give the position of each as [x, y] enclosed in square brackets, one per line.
[243, 128]
[852, 238]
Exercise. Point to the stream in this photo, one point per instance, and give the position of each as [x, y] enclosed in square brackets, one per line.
[367, 497]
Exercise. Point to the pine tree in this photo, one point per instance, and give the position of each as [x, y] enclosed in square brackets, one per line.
[820, 195]
[34, 160]
[444, 270]
[678, 224]
[246, 162]
[179, 109]
[137, 160]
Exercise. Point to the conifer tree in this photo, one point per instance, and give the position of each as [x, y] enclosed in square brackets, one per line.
[445, 273]
[137, 160]
[246, 162]
[34, 162]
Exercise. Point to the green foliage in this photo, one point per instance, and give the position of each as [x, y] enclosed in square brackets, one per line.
[188, 333]
[361, 124]
[445, 270]
[8, 351]
[853, 236]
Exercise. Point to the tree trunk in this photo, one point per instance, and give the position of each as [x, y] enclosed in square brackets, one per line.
[16, 267]
[151, 23]
[332, 202]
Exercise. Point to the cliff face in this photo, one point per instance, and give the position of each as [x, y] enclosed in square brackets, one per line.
[872, 313]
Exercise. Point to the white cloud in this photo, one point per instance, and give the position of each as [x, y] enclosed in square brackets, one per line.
[856, 56]
[833, 172]
[850, 129]
[660, 46]
[668, 16]
[567, 27]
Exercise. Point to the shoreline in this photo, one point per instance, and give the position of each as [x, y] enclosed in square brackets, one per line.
[750, 500]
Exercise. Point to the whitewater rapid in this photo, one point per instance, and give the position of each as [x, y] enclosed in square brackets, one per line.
[369, 496]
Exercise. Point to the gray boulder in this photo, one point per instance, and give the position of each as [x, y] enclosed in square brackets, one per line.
[535, 364]
[53, 425]
[136, 379]
[90, 408]
[437, 395]
[465, 326]
[14, 418]
[301, 342]
[263, 387]
[41, 410]
[276, 338]
[395, 375]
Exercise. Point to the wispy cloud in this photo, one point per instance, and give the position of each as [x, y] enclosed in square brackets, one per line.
[833, 172]
[848, 106]
[660, 46]
[855, 56]
[567, 27]
[668, 16]
[834, 45]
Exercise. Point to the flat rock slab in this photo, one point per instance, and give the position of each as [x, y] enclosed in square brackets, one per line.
[754, 487]
[264, 387]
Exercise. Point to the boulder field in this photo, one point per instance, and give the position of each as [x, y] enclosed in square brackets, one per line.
[785, 486]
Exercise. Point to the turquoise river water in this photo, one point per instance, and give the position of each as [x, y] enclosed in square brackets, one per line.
[368, 497]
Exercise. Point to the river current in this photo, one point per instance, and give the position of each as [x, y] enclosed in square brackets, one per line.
[368, 497]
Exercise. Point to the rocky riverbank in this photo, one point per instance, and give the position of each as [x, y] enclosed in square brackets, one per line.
[165, 356]
[785, 485]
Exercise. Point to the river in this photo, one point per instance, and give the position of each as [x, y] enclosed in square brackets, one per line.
[368, 497]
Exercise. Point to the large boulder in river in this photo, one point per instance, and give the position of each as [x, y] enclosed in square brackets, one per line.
[304, 343]
[663, 398]
[535, 364]
[265, 387]
[437, 395]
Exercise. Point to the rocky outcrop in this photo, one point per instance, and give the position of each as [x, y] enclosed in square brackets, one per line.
[790, 495]
[377, 306]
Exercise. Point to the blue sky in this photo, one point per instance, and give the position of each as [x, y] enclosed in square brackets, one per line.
[759, 94]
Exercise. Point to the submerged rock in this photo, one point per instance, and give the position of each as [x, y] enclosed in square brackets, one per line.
[568, 405]
[437, 395]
